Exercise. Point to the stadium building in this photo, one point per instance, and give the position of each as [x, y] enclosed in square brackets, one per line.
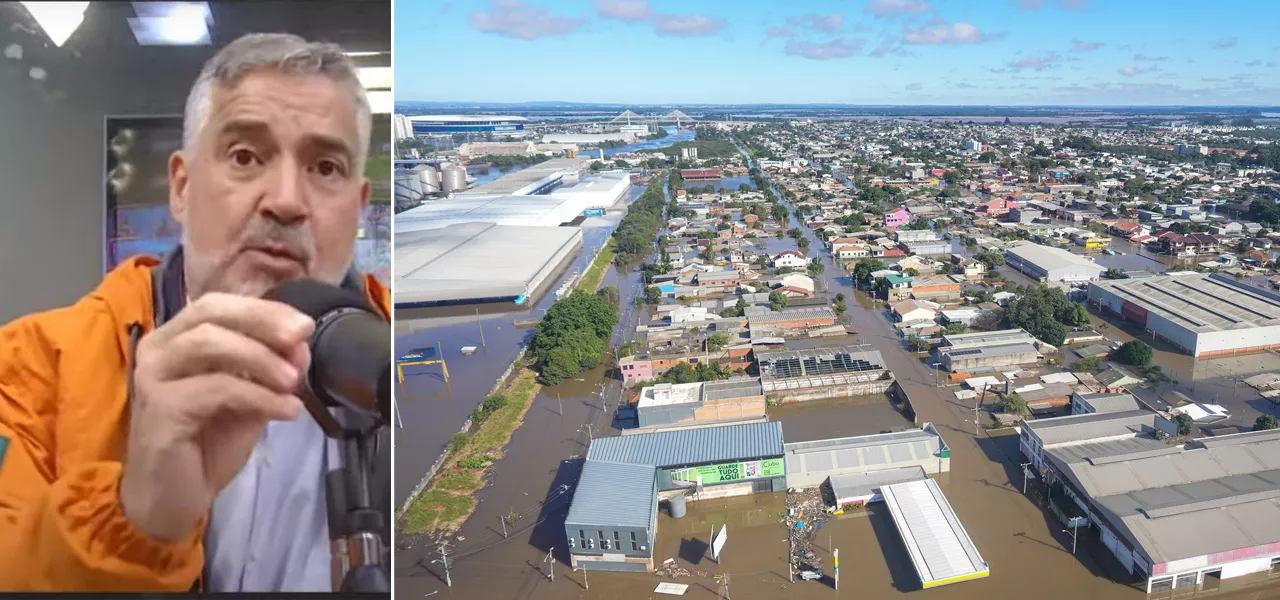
[433, 124]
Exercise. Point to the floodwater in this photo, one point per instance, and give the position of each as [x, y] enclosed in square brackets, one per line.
[837, 417]
[673, 136]
[432, 409]
[725, 183]
[1028, 552]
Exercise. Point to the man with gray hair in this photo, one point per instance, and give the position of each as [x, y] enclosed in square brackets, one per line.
[150, 435]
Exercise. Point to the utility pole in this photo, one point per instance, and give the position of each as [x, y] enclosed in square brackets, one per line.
[836, 565]
[1024, 476]
[585, 583]
[444, 559]
[1075, 528]
[504, 525]
[791, 548]
[551, 561]
[561, 403]
[478, 324]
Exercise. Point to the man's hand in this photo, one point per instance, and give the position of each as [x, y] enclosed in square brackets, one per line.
[205, 385]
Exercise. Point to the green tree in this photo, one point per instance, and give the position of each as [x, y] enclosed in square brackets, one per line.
[1185, 423]
[1114, 274]
[560, 365]
[652, 295]
[1137, 353]
[458, 441]
[1265, 422]
[916, 343]
[1088, 364]
[866, 267]
[716, 341]
[840, 297]
[610, 294]
[955, 328]
[991, 259]
[597, 165]
[911, 272]
[627, 349]
[1075, 315]
[777, 300]
[1014, 404]
[816, 267]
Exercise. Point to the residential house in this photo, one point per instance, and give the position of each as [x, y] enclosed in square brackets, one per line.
[898, 287]
[934, 288]
[909, 311]
[789, 258]
[896, 218]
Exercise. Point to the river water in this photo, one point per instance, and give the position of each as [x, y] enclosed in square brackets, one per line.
[673, 136]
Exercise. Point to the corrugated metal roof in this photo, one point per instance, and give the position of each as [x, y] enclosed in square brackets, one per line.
[1111, 403]
[848, 486]
[614, 494]
[1075, 428]
[1092, 451]
[692, 446]
[868, 452]
[939, 546]
[737, 387]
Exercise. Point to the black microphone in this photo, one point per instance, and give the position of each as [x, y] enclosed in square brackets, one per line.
[350, 354]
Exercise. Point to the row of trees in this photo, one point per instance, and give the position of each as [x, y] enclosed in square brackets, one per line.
[573, 336]
[641, 224]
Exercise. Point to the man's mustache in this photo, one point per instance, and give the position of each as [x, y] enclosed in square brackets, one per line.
[266, 234]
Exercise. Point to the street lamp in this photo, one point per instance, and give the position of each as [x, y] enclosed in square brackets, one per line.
[1075, 528]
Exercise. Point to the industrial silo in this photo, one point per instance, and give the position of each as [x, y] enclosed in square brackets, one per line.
[429, 177]
[453, 179]
[408, 188]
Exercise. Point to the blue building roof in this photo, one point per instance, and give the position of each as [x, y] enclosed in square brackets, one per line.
[613, 494]
[692, 446]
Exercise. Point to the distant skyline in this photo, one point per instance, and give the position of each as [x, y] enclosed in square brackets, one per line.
[879, 52]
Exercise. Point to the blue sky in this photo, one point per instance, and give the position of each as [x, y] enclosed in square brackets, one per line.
[1005, 52]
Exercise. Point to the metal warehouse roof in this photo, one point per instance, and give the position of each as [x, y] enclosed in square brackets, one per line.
[1075, 428]
[1146, 470]
[850, 486]
[731, 388]
[866, 452]
[792, 314]
[1075, 453]
[692, 446]
[1200, 518]
[1110, 403]
[990, 351]
[985, 338]
[1201, 302]
[939, 546]
[614, 494]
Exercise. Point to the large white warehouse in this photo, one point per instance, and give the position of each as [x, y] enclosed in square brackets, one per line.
[1044, 263]
[1204, 315]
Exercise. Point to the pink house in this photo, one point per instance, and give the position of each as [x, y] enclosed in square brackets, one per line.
[635, 370]
[1000, 207]
[897, 218]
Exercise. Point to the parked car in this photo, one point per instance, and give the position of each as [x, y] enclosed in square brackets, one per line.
[811, 575]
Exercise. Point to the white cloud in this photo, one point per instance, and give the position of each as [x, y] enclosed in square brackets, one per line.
[888, 8]
[1029, 4]
[914, 86]
[1130, 71]
[939, 32]
[1034, 63]
[828, 23]
[1144, 57]
[639, 11]
[522, 20]
[1072, 4]
[686, 25]
[780, 31]
[837, 48]
[625, 10]
[1080, 46]
[1225, 43]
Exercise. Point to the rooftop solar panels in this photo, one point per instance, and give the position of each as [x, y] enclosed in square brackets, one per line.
[966, 352]
[806, 363]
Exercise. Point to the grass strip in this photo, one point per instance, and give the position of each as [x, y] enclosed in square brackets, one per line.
[449, 497]
[595, 273]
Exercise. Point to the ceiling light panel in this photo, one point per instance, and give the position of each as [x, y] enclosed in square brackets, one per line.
[58, 19]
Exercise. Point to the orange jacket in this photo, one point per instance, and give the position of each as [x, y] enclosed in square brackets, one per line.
[64, 411]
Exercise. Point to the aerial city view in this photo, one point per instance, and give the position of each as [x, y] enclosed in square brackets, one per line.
[861, 297]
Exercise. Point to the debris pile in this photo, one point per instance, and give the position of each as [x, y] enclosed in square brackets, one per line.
[670, 569]
[806, 513]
